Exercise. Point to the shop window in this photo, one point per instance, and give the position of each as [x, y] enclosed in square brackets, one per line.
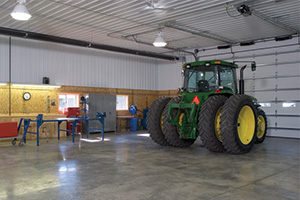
[66, 101]
[122, 102]
[265, 105]
[289, 105]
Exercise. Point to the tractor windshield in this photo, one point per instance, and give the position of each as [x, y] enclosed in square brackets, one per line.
[204, 79]
[201, 78]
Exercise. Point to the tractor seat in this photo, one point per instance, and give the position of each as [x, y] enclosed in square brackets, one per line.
[203, 86]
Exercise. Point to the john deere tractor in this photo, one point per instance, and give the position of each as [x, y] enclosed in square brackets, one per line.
[210, 105]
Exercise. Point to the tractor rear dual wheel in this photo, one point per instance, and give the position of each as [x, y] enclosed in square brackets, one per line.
[238, 124]
[209, 123]
[154, 120]
[171, 131]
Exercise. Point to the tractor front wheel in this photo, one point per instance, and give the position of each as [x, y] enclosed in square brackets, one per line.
[238, 124]
[154, 120]
[209, 123]
[171, 131]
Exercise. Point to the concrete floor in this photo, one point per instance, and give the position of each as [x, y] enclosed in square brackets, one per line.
[131, 166]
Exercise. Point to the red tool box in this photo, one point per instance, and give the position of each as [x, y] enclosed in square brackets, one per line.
[8, 129]
[73, 112]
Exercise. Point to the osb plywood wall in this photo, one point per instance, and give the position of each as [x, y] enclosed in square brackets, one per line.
[140, 98]
[41, 97]
[40, 102]
[4, 100]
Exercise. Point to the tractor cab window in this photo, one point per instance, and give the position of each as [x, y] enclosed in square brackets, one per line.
[227, 78]
[201, 79]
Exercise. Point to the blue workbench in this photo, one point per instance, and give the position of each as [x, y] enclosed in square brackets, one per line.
[39, 121]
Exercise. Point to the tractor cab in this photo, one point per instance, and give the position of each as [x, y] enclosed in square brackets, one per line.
[206, 76]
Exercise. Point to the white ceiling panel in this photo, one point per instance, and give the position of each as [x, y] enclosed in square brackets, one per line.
[132, 24]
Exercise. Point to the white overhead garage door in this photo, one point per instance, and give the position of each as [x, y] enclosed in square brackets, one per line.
[275, 83]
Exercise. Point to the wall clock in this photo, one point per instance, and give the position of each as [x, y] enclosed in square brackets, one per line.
[26, 96]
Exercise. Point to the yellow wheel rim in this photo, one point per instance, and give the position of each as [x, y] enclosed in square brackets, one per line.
[180, 120]
[261, 126]
[246, 125]
[161, 121]
[217, 124]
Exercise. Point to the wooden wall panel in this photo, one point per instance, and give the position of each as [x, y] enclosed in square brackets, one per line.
[39, 102]
[4, 100]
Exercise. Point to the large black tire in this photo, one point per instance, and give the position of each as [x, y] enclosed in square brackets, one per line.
[261, 126]
[209, 123]
[171, 131]
[238, 124]
[154, 119]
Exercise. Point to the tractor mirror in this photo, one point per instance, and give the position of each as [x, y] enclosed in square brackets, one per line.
[182, 72]
[253, 66]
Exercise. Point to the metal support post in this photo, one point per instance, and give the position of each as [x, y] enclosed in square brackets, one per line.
[73, 130]
[58, 129]
[87, 128]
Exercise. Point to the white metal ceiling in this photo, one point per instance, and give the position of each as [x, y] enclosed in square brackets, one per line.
[131, 24]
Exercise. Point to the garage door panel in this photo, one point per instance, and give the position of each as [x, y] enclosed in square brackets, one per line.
[290, 122]
[270, 110]
[289, 57]
[250, 93]
[249, 85]
[265, 60]
[288, 110]
[288, 69]
[291, 82]
[283, 133]
[288, 95]
[271, 121]
[265, 84]
[248, 74]
[265, 96]
[266, 71]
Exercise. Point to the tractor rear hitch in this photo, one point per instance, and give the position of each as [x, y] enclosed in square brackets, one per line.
[181, 106]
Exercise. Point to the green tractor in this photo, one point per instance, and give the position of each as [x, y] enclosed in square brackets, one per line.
[210, 105]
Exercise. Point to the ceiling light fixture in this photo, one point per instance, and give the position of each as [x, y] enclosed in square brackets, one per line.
[20, 12]
[159, 41]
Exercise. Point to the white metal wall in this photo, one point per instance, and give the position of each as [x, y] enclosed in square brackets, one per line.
[276, 80]
[4, 59]
[75, 66]
[169, 75]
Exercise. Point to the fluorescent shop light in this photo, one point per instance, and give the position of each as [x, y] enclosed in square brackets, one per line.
[36, 85]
